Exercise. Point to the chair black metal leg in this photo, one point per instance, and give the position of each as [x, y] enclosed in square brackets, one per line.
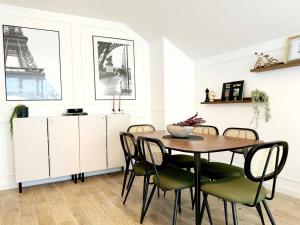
[269, 212]
[148, 203]
[165, 194]
[203, 208]
[234, 213]
[232, 157]
[130, 185]
[208, 213]
[191, 192]
[130, 178]
[125, 177]
[260, 213]
[177, 195]
[158, 193]
[179, 201]
[145, 193]
[225, 212]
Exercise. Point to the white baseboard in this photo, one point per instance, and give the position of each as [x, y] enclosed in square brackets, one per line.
[9, 182]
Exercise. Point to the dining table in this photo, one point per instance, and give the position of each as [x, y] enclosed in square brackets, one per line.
[198, 144]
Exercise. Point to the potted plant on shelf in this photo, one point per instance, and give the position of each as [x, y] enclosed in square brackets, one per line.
[260, 98]
[20, 111]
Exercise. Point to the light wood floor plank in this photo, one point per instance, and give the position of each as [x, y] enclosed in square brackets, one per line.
[98, 202]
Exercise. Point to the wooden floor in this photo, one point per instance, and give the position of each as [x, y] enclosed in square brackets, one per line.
[98, 201]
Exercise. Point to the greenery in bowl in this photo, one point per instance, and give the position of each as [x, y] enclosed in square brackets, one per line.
[19, 111]
[258, 98]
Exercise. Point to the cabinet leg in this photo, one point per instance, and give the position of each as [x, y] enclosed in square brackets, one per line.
[82, 177]
[20, 188]
[75, 178]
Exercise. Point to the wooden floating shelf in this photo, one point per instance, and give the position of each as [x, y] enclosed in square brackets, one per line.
[219, 101]
[276, 67]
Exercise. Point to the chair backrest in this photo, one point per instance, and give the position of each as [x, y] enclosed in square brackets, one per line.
[238, 132]
[129, 146]
[152, 152]
[206, 129]
[271, 157]
[140, 128]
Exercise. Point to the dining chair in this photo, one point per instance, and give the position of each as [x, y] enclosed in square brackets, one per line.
[249, 190]
[187, 161]
[137, 128]
[220, 170]
[165, 177]
[237, 132]
[139, 167]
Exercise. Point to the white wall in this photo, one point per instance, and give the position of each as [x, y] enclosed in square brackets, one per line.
[157, 84]
[283, 88]
[172, 84]
[76, 70]
[179, 79]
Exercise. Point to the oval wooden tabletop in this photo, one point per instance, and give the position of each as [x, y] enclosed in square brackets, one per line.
[210, 143]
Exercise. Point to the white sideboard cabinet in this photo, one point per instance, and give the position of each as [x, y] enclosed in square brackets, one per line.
[30, 148]
[64, 142]
[67, 145]
[115, 124]
[92, 131]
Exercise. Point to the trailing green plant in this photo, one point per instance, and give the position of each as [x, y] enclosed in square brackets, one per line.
[258, 98]
[15, 113]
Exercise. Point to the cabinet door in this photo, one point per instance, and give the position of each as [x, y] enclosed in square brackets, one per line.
[63, 145]
[30, 148]
[92, 130]
[115, 124]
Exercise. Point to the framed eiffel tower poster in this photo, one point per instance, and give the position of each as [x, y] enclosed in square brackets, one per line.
[114, 68]
[32, 64]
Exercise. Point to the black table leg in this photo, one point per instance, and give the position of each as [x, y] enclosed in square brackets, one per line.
[197, 159]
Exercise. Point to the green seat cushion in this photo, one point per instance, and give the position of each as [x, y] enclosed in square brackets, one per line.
[240, 190]
[143, 169]
[218, 170]
[175, 179]
[183, 161]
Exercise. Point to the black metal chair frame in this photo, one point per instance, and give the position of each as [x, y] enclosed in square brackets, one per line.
[141, 141]
[279, 164]
[241, 151]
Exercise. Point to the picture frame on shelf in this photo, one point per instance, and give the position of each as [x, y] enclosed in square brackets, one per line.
[237, 90]
[293, 48]
[226, 91]
[233, 91]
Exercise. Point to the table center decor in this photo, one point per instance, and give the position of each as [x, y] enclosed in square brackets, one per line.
[184, 129]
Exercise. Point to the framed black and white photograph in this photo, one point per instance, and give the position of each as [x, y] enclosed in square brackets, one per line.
[293, 48]
[114, 68]
[226, 91]
[32, 64]
[237, 90]
[233, 91]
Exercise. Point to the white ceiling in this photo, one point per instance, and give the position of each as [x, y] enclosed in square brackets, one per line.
[199, 28]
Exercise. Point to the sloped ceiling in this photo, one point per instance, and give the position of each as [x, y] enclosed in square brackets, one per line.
[199, 28]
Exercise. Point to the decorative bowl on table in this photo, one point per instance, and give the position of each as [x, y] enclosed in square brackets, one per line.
[185, 128]
[180, 131]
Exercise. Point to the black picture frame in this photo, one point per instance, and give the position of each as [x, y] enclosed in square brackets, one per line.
[132, 77]
[226, 92]
[32, 70]
[233, 91]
